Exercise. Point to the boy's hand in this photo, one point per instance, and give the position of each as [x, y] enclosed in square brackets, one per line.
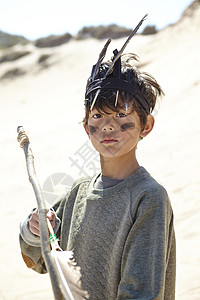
[34, 221]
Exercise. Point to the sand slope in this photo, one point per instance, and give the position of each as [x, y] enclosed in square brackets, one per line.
[49, 103]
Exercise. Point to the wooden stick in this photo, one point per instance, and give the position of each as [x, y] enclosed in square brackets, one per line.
[44, 232]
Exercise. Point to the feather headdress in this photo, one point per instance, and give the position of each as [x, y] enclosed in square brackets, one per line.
[112, 79]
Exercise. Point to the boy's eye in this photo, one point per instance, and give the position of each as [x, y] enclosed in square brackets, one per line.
[121, 115]
[97, 116]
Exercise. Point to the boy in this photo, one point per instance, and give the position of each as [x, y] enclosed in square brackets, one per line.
[119, 223]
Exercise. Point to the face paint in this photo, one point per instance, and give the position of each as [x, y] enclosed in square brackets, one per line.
[92, 129]
[127, 126]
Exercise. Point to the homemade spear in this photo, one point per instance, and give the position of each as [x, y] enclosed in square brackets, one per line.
[63, 272]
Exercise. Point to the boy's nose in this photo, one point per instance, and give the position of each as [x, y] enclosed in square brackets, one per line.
[108, 126]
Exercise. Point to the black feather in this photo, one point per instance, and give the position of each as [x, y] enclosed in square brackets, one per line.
[101, 57]
[124, 46]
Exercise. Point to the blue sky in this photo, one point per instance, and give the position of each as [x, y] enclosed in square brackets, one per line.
[39, 18]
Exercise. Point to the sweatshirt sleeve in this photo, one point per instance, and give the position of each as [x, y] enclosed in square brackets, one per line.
[149, 252]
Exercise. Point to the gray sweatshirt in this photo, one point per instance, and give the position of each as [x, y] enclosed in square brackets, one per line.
[122, 237]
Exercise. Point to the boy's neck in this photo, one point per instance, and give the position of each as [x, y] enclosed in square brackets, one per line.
[119, 167]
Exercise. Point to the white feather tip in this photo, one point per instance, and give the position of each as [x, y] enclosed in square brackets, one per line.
[69, 275]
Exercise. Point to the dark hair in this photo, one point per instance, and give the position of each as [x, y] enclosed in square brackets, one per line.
[106, 99]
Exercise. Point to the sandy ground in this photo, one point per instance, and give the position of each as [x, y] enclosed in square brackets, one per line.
[48, 102]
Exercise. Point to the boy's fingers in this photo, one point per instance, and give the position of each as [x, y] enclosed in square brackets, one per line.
[35, 230]
[35, 215]
[34, 226]
[34, 221]
[51, 217]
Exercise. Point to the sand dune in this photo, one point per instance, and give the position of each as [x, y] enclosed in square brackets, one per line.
[48, 102]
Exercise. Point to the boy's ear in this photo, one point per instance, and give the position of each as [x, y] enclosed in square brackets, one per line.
[86, 128]
[148, 127]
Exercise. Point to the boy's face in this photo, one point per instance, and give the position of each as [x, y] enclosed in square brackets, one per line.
[114, 134]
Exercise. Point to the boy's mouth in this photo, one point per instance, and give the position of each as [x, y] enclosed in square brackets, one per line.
[108, 140]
